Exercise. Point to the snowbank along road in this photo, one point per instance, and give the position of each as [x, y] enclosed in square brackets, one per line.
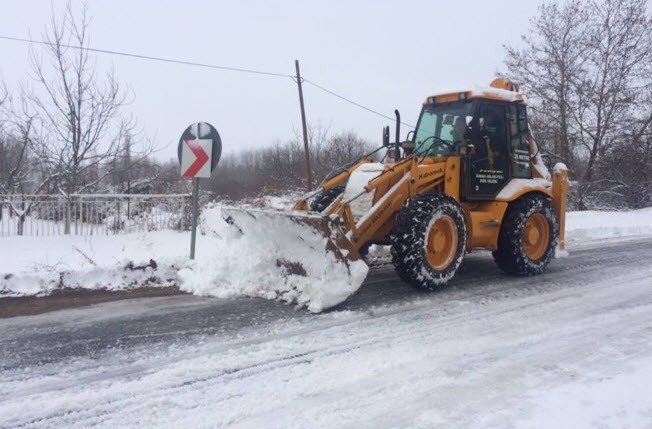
[570, 348]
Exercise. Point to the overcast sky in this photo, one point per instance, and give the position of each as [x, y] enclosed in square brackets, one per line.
[384, 54]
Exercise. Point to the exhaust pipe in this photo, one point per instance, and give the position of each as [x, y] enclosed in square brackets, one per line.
[398, 128]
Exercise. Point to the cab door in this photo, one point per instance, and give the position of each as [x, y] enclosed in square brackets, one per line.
[489, 162]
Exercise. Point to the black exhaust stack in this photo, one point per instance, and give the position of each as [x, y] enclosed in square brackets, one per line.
[398, 133]
[398, 127]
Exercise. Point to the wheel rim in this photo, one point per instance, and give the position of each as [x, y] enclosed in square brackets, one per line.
[442, 243]
[536, 236]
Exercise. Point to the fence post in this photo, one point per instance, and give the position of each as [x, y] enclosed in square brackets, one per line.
[76, 216]
[116, 224]
[66, 228]
[21, 216]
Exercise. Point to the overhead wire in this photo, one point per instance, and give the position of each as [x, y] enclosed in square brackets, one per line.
[149, 57]
[341, 97]
[205, 65]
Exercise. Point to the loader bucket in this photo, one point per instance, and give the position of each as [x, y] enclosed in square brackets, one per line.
[297, 225]
[310, 250]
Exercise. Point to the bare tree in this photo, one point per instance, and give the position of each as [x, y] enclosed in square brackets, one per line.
[14, 145]
[624, 169]
[547, 66]
[609, 92]
[279, 168]
[19, 169]
[13, 151]
[587, 67]
[82, 125]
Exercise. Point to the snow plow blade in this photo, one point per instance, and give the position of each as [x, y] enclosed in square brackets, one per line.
[299, 258]
[314, 231]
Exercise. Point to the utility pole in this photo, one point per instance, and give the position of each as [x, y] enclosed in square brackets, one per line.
[305, 129]
[127, 169]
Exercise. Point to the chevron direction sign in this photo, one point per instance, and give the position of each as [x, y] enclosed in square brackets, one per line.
[199, 150]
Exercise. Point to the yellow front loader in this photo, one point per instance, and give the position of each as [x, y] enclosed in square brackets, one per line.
[469, 177]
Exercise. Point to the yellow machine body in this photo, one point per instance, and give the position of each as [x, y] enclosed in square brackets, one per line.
[405, 179]
[451, 175]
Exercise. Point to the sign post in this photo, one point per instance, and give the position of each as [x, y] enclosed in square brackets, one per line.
[195, 213]
[199, 151]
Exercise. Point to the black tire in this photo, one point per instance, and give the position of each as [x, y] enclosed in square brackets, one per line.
[511, 256]
[409, 240]
[323, 199]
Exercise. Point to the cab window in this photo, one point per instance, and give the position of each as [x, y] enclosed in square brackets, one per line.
[520, 149]
[489, 167]
[441, 127]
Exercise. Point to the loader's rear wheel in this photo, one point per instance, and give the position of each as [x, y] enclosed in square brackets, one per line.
[428, 240]
[528, 236]
[325, 198]
[536, 236]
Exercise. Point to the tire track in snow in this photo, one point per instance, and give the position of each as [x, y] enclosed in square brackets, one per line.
[423, 309]
[357, 344]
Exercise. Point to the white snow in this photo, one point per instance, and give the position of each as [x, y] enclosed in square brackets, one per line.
[540, 167]
[32, 265]
[230, 263]
[609, 401]
[537, 161]
[559, 167]
[359, 178]
[381, 201]
[561, 253]
[571, 353]
[479, 91]
[227, 265]
[515, 185]
[595, 225]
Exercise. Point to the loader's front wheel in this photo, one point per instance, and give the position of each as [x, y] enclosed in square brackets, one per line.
[528, 236]
[429, 240]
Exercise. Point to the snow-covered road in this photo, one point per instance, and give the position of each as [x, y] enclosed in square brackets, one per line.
[570, 348]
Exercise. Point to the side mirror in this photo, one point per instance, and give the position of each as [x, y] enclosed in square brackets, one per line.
[386, 136]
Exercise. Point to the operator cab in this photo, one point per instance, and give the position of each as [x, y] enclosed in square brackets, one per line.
[487, 128]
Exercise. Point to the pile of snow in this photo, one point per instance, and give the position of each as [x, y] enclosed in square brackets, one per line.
[592, 225]
[38, 265]
[275, 258]
[359, 178]
[229, 263]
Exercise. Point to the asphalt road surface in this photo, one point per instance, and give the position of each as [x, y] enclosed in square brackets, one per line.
[557, 326]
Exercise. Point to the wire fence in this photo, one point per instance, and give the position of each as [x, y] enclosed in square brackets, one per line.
[92, 214]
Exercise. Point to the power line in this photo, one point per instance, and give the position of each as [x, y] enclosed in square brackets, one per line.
[341, 97]
[211, 66]
[148, 57]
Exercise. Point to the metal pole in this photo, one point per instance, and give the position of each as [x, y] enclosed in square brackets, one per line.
[128, 200]
[195, 209]
[305, 129]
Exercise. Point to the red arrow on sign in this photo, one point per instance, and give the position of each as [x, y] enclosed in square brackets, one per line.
[200, 158]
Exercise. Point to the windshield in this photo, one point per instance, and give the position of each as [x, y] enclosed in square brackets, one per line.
[439, 122]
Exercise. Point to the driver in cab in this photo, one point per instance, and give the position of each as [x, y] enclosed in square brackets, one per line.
[490, 129]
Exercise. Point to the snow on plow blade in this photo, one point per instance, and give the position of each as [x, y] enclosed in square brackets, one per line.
[303, 226]
[318, 263]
